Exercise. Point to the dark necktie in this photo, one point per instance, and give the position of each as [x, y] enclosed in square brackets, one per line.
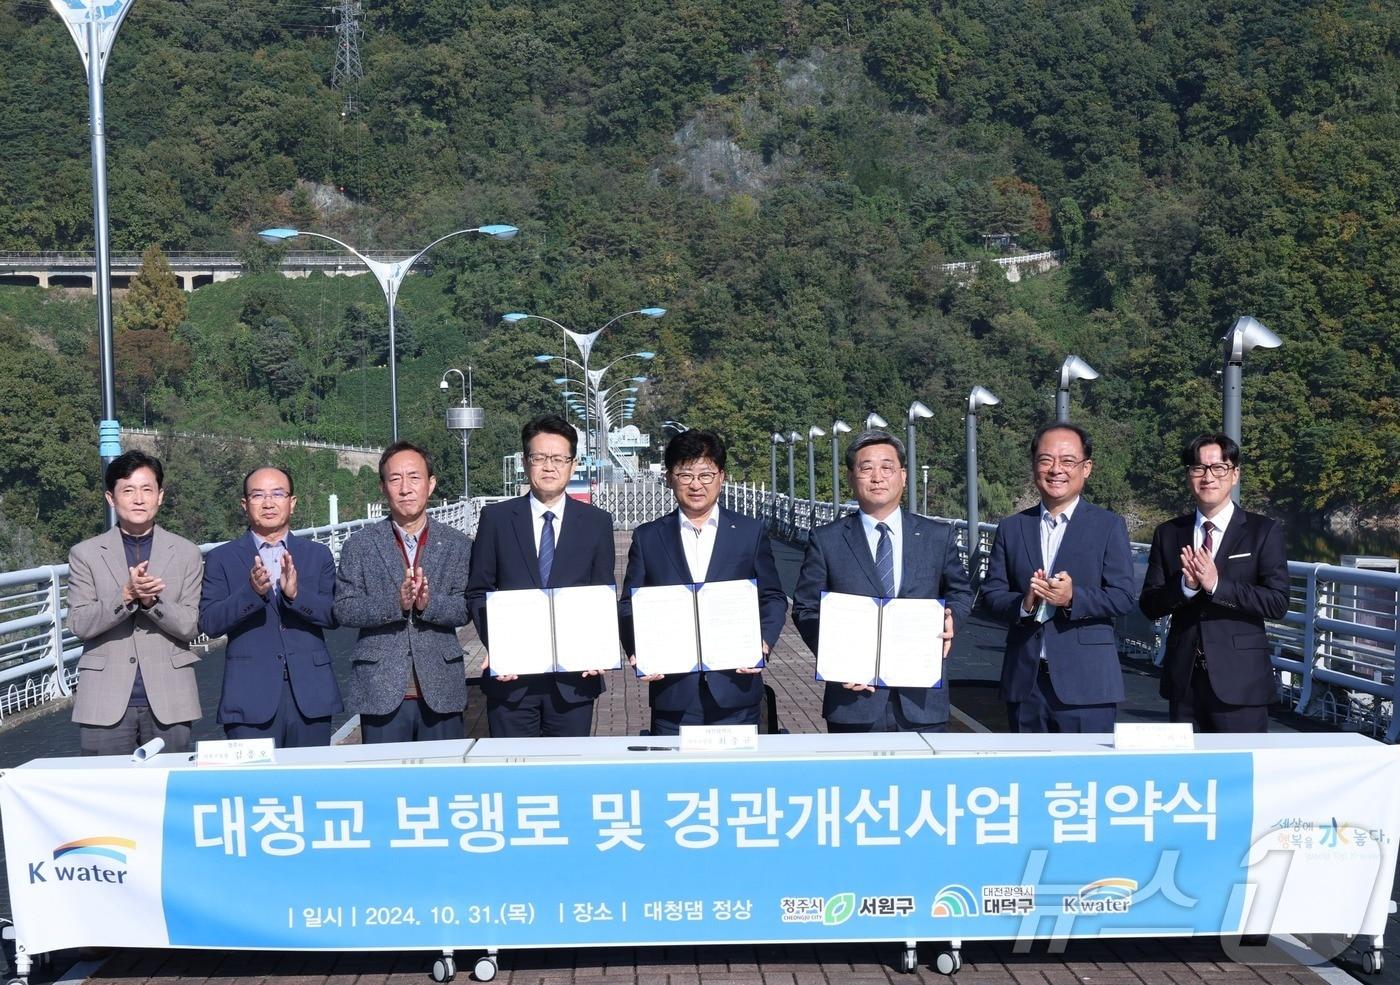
[884, 560]
[547, 548]
[1206, 543]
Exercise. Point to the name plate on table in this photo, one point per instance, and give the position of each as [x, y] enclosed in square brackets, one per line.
[1154, 736]
[719, 738]
[235, 752]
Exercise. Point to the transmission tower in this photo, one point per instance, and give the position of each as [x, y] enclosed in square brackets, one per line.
[347, 70]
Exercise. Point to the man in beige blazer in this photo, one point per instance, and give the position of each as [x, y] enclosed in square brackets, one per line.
[133, 599]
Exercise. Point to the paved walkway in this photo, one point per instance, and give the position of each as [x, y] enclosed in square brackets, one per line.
[622, 710]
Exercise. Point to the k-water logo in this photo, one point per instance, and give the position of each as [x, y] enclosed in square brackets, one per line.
[1111, 895]
[954, 901]
[85, 860]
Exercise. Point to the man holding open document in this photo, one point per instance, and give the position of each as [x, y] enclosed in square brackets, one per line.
[701, 601]
[877, 599]
[542, 585]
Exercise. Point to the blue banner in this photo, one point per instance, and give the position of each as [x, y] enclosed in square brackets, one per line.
[697, 852]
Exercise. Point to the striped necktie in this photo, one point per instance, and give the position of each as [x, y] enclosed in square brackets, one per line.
[884, 560]
[547, 548]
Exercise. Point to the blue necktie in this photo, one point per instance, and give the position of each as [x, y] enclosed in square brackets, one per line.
[884, 560]
[546, 548]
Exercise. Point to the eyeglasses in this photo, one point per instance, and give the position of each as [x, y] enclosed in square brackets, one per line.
[276, 495]
[1217, 469]
[556, 460]
[1044, 462]
[884, 468]
[704, 478]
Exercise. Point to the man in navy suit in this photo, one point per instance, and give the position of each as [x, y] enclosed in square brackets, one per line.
[881, 552]
[1219, 572]
[1059, 574]
[541, 540]
[271, 593]
[702, 541]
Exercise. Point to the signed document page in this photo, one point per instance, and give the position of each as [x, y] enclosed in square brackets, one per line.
[663, 630]
[848, 638]
[521, 635]
[730, 636]
[585, 628]
[911, 643]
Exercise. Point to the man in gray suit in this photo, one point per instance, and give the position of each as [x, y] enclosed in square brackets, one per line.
[133, 599]
[403, 583]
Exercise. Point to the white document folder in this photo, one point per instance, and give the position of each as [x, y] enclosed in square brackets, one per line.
[553, 630]
[880, 642]
[684, 629]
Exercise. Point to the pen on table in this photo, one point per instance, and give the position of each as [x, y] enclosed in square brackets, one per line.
[652, 749]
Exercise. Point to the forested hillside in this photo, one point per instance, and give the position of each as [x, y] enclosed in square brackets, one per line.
[785, 178]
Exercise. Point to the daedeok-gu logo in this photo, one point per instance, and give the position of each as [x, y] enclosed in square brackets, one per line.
[85, 860]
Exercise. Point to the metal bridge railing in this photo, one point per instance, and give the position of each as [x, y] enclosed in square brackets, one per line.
[1336, 649]
[38, 655]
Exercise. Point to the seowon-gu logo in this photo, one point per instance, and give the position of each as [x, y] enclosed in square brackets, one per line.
[85, 860]
[1112, 895]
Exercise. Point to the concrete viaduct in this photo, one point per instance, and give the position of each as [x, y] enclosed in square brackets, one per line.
[198, 269]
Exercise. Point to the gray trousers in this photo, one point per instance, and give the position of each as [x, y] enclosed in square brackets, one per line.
[135, 728]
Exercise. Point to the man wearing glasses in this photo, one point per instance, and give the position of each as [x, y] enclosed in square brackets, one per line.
[271, 593]
[702, 541]
[544, 539]
[1059, 574]
[882, 552]
[1219, 572]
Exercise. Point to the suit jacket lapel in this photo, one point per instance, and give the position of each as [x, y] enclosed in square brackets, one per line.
[522, 522]
[675, 550]
[912, 556]
[115, 554]
[860, 547]
[1030, 536]
[725, 541]
[388, 543]
[1231, 538]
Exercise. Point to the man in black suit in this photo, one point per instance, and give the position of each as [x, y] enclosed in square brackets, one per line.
[1219, 572]
[702, 541]
[882, 552]
[541, 540]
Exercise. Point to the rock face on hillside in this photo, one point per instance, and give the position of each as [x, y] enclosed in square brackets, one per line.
[720, 152]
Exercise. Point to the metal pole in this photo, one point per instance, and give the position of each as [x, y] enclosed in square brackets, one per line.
[1231, 401]
[913, 457]
[792, 480]
[466, 479]
[812, 481]
[108, 428]
[835, 475]
[391, 293]
[1062, 405]
[774, 485]
[973, 538]
[925, 468]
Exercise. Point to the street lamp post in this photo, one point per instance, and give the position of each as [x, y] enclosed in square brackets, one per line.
[1073, 368]
[916, 410]
[464, 418]
[925, 468]
[978, 398]
[813, 433]
[1246, 335]
[792, 438]
[390, 274]
[874, 420]
[838, 428]
[584, 341]
[775, 439]
[93, 25]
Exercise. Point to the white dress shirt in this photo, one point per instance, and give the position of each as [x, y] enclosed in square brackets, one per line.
[537, 518]
[698, 542]
[895, 521]
[1221, 520]
[1052, 535]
